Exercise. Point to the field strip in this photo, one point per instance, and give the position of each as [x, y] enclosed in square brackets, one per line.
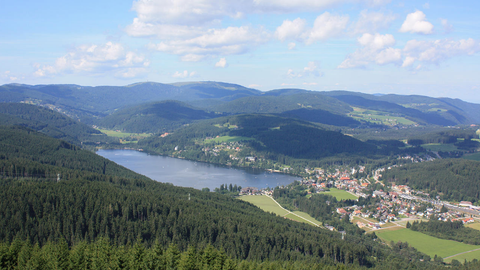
[289, 212]
[461, 253]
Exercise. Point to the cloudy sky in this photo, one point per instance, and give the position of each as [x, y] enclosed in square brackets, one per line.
[373, 46]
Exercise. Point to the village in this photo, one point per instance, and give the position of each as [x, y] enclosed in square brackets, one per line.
[391, 204]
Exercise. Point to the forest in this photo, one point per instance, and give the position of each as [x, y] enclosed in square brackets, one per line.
[451, 179]
[95, 199]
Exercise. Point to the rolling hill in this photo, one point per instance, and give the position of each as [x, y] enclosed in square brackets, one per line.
[51, 123]
[156, 117]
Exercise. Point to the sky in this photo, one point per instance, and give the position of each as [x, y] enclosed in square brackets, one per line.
[406, 47]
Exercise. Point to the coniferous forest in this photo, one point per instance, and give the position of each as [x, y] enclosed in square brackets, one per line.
[93, 212]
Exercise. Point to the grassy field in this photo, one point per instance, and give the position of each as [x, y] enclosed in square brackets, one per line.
[440, 147]
[340, 194]
[475, 156]
[379, 117]
[428, 244]
[228, 139]
[113, 133]
[268, 205]
[475, 226]
[307, 216]
[264, 203]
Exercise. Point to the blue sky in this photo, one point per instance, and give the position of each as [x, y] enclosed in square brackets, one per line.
[374, 46]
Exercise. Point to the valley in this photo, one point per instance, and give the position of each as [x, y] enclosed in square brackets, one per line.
[343, 173]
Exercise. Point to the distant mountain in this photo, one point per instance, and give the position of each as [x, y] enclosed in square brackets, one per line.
[154, 117]
[92, 103]
[51, 123]
[85, 103]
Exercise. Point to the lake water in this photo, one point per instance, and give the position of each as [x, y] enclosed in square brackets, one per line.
[186, 173]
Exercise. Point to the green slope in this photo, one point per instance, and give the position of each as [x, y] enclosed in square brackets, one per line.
[101, 199]
[51, 123]
[154, 117]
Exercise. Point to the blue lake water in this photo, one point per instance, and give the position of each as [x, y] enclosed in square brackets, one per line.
[186, 173]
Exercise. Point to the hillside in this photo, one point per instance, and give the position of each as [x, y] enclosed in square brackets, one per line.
[91, 103]
[453, 179]
[51, 123]
[268, 142]
[87, 103]
[97, 199]
[156, 117]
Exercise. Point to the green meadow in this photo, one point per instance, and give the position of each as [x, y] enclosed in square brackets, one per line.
[340, 194]
[268, 205]
[430, 245]
[264, 203]
[228, 139]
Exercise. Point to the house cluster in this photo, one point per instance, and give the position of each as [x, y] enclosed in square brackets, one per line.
[255, 191]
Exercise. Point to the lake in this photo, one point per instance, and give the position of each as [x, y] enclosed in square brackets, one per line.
[186, 173]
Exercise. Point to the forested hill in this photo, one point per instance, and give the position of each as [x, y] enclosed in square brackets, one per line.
[453, 179]
[51, 123]
[156, 117]
[268, 136]
[27, 153]
[95, 198]
[91, 103]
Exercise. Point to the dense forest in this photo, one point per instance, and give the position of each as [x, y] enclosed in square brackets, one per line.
[98, 199]
[156, 117]
[452, 179]
[51, 123]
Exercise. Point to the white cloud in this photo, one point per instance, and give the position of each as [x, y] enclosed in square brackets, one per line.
[416, 23]
[290, 29]
[291, 45]
[371, 22]
[311, 69]
[215, 42]
[184, 74]
[8, 76]
[222, 63]
[447, 27]
[254, 85]
[311, 84]
[327, 26]
[408, 61]
[437, 51]
[426, 5]
[375, 49]
[96, 60]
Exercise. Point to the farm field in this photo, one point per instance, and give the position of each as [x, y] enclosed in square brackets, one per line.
[340, 194]
[475, 156]
[475, 226]
[268, 205]
[118, 134]
[307, 216]
[440, 147]
[264, 203]
[428, 244]
[379, 117]
[228, 139]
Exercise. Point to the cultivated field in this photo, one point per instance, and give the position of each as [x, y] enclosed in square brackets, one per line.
[268, 205]
[228, 139]
[264, 203]
[379, 117]
[118, 134]
[430, 245]
[475, 156]
[440, 147]
[340, 194]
